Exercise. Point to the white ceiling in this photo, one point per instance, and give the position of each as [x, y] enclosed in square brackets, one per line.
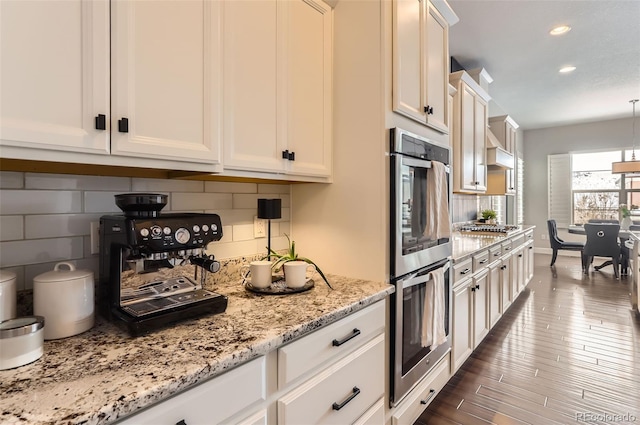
[511, 40]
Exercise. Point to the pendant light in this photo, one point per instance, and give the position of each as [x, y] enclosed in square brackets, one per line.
[633, 166]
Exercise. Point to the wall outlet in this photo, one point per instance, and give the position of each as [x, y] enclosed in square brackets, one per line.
[95, 237]
[259, 227]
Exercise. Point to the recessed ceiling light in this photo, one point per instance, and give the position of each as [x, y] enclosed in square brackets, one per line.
[560, 30]
[567, 69]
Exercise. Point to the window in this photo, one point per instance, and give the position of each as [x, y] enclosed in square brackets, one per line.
[582, 187]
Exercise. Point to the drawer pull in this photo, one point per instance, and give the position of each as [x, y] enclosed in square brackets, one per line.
[355, 333]
[432, 392]
[465, 271]
[484, 261]
[181, 422]
[496, 254]
[507, 249]
[353, 395]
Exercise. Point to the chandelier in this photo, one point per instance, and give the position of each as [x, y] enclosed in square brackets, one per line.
[633, 166]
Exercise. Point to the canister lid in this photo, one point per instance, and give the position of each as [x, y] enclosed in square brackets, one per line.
[63, 272]
[20, 326]
[6, 275]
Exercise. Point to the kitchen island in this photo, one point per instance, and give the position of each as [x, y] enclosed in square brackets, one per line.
[104, 374]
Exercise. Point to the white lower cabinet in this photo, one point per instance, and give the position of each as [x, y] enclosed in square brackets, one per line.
[480, 290]
[495, 292]
[528, 262]
[419, 398]
[506, 281]
[212, 401]
[462, 345]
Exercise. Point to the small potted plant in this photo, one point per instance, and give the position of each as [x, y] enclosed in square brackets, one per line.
[489, 216]
[626, 216]
[292, 255]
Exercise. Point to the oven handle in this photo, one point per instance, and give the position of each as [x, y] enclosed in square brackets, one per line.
[414, 279]
[420, 163]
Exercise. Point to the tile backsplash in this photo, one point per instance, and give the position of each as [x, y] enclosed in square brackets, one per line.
[46, 218]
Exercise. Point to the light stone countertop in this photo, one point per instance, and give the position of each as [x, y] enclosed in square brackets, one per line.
[104, 374]
[467, 244]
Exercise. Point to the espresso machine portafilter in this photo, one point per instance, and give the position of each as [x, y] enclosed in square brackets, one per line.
[153, 267]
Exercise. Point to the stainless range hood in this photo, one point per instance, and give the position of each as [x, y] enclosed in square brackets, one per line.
[497, 157]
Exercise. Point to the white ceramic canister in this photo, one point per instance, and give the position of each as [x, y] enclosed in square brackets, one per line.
[7, 295]
[64, 296]
[21, 341]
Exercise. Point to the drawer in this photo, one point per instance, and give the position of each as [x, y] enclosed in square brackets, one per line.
[210, 402]
[528, 235]
[340, 394]
[373, 416]
[495, 253]
[480, 260]
[329, 343]
[462, 270]
[418, 399]
[506, 247]
[517, 241]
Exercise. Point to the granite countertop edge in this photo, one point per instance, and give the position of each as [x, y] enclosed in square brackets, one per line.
[491, 241]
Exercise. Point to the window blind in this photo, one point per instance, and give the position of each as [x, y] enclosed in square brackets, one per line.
[559, 189]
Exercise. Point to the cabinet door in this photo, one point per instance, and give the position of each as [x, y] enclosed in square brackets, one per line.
[409, 58]
[54, 74]
[518, 283]
[480, 291]
[495, 292]
[250, 86]
[529, 256]
[462, 319]
[437, 70]
[480, 137]
[510, 188]
[306, 79]
[506, 282]
[467, 172]
[165, 68]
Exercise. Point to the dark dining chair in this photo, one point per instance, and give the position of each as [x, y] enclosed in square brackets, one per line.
[557, 243]
[602, 241]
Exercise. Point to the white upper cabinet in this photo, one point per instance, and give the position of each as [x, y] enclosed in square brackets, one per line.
[166, 79]
[156, 98]
[421, 62]
[277, 87]
[54, 74]
[505, 130]
[468, 135]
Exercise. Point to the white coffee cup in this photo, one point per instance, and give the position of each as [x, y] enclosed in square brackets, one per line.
[259, 273]
[295, 273]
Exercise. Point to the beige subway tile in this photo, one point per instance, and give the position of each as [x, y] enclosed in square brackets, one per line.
[200, 201]
[11, 180]
[35, 251]
[58, 225]
[76, 182]
[11, 227]
[230, 187]
[40, 202]
[242, 232]
[234, 249]
[101, 202]
[239, 216]
[274, 188]
[166, 185]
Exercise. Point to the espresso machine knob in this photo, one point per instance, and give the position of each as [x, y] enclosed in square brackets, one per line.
[183, 235]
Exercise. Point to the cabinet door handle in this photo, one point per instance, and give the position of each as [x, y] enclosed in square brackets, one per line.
[338, 406]
[530, 247]
[432, 392]
[520, 255]
[123, 125]
[354, 334]
[465, 271]
[428, 110]
[473, 289]
[181, 422]
[477, 286]
[292, 156]
[285, 154]
[101, 122]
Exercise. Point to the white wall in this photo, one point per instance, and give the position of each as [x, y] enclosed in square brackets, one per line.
[537, 144]
[45, 218]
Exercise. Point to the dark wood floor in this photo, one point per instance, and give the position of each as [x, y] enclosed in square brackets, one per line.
[566, 352]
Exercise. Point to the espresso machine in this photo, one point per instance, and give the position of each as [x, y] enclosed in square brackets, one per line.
[153, 266]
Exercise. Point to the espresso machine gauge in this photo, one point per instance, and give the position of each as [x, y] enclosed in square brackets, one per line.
[153, 270]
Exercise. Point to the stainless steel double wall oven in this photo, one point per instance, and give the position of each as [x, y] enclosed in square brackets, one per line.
[414, 257]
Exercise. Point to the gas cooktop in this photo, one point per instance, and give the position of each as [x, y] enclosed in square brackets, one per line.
[488, 228]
